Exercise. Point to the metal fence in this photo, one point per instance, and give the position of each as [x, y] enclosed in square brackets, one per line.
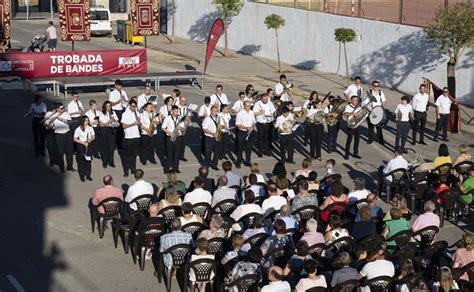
[410, 12]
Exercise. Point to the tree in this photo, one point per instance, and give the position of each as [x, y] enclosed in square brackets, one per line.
[452, 29]
[345, 35]
[228, 9]
[275, 22]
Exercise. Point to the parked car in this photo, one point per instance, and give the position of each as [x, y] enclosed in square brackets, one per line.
[101, 23]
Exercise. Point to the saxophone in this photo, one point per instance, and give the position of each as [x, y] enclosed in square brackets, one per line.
[218, 135]
[152, 127]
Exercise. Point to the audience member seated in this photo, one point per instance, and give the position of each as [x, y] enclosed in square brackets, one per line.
[330, 164]
[304, 198]
[254, 169]
[443, 155]
[176, 236]
[464, 154]
[258, 190]
[395, 163]
[375, 210]
[233, 179]
[407, 269]
[465, 255]
[365, 227]
[215, 228]
[428, 218]
[344, 272]
[249, 266]
[279, 240]
[198, 195]
[294, 268]
[201, 253]
[237, 241]
[334, 229]
[282, 184]
[278, 170]
[152, 220]
[313, 280]
[274, 201]
[173, 181]
[394, 226]
[359, 192]
[306, 169]
[398, 201]
[313, 184]
[208, 183]
[337, 196]
[105, 192]
[446, 282]
[466, 188]
[312, 236]
[290, 221]
[276, 283]
[420, 286]
[188, 215]
[378, 266]
[172, 198]
[223, 192]
[248, 207]
[259, 227]
[138, 188]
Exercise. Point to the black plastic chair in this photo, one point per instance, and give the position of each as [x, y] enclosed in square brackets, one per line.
[272, 215]
[225, 207]
[203, 270]
[216, 246]
[371, 242]
[245, 283]
[466, 284]
[409, 280]
[449, 206]
[141, 202]
[248, 220]
[444, 171]
[193, 228]
[401, 239]
[317, 289]
[305, 213]
[202, 209]
[180, 254]
[169, 213]
[112, 208]
[256, 240]
[149, 239]
[382, 283]
[397, 177]
[339, 245]
[346, 286]
[463, 168]
[316, 250]
[227, 224]
[427, 235]
[125, 229]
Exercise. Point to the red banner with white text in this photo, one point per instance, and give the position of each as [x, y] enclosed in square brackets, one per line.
[216, 31]
[73, 63]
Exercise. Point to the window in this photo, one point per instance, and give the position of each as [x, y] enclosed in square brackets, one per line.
[99, 15]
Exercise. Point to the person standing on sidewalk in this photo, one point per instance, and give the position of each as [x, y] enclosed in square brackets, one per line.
[52, 37]
[404, 114]
[420, 105]
[118, 98]
[443, 110]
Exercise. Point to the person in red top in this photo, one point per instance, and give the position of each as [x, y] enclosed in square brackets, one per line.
[337, 196]
[105, 192]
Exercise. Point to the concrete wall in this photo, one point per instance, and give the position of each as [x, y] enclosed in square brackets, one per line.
[396, 55]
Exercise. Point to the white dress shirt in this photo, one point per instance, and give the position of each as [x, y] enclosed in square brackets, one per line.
[238, 106]
[245, 209]
[209, 124]
[280, 120]
[61, 127]
[47, 119]
[379, 98]
[204, 111]
[129, 118]
[350, 109]
[404, 110]
[420, 102]
[164, 111]
[115, 96]
[85, 135]
[142, 99]
[75, 106]
[225, 121]
[352, 90]
[279, 90]
[140, 187]
[278, 286]
[355, 196]
[223, 193]
[269, 110]
[93, 122]
[38, 110]
[444, 105]
[145, 119]
[395, 163]
[198, 195]
[245, 118]
[273, 203]
[105, 118]
[170, 123]
[219, 100]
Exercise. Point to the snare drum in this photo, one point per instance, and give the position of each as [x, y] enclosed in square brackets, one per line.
[379, 116]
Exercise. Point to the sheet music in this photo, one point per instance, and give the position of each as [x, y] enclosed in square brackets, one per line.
[192, 106]
[297, 108]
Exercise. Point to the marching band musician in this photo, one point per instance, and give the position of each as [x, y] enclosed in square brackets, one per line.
[443, 110]
[131, 125]
[379, 101]
[63, 139]
[93, 115]
[245, 123]
[75, 110]
[351, 110]
[170, 127]
[108, 123]
[404, 114]
[83, 136]
[212, 130]
[183, 113]
[48, 122]
[333, 130]
[354, 89]
[281, 88]
[143, 98]
[204, 112]
[239, 104]
[307, 105]
[225, 118]
[316, 129]
[148, 125]
[175, 94]
[165, 110]
[219, 98]
[264, 112]
[249, 92]
[118, 98]
[37, 111]
[284, 125]
[420, 105]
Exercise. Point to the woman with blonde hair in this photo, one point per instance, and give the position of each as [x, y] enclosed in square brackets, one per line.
[254, 169]
[446, 282]
[172, 198]
[464, 154]
[173, 181]
[465, 255]
[398, 201]
[306, 169]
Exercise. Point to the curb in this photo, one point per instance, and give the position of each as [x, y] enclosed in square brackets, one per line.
[157, 48]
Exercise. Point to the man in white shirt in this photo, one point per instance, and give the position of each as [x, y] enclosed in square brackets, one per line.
[143, 98]
[395, 163]
[148, 125]
[212, 127]
[315, 128]
[223, 192]
[205, 109]
[281, 89]
[170, 128]
[198, 195]
[245, 123]
[239, 104]
[404, 114]
[131, 126]
[138, 188]
[52, 37]
[219, 98]
[118, 98]
[359, 192]
[354, 89]
[93, 115]
[37, 111]
[248, 207]
[284, 126]
[379, 267]
[63, 137]
[420, 105]
[264, 111]
[443, 110]
[274, 201]
[183, 113]
[351, 110]
[75, 109]
[225, 118]
[380, 100]
[276, 284]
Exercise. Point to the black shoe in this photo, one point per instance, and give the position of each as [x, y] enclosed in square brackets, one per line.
[259, 155]
[104, 165]
[267, 153]
[435, 139]
[177, 171]
[165, 171]
[153, 162]
[112, 165]
[413, 143]
[445, 140]
[423, 143]
[329, 151]
[83, 179]
[125, 174]
[183, 159]
[215, 167]
[405, 151]
[369, 142]
[143, 162]
[71, 169]
[357, 156]
[247, 164]
[89, 178]
[382, 143]
[97, 156]
[346, 157]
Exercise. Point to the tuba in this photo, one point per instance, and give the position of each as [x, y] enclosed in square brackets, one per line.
[317, 118]
[333, 117]
[354, 121]
[286, 127]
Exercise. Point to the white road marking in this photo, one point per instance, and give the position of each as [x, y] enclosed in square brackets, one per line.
[15, 283]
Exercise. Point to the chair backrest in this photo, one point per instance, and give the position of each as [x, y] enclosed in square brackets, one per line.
[317, 289]
[150, 237]
[225, 207]
[340, 244]
[142, 202]
[227, 224]
[244, 283]
[248, 220]
[410, 280]
[316, 250]
[362, 202]
[346, 286]
[256, 240]
[306, 212]
[371, 242]
[449, 198]
[203, 269]
[170, 212]
[272, 215]
[382, 283]
[201, 209]
[111, 207]
[443, 169]
[464, 167]
[402, 238]
[216, 245]
[192, 228]
[179, 254]
[427, 235]
[435, 250]
[397, 175]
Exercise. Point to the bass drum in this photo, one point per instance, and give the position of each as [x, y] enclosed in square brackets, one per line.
[376, 116]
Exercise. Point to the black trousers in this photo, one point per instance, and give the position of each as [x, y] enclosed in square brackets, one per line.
[419, 125]
[65, 146]
[286, 147]
[242, 145]
[94, 146]
[307, 132]
[224, 145]
[75, 122]
[316, 132]
[182, 146]
[332, 136]
[39, 133]
[147, 148]
[83, 165]
[271, 135]
[107, 145]
[131, 152]
[352, 134]
[442, 123]
[263, 131]
[51, 146]
[119, 133]
[172, 153]
[371, 132]
[402, 134]
[211, 146]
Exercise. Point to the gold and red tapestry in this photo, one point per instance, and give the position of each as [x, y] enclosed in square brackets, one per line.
[74, 20]
[5, 20]
[145, 17]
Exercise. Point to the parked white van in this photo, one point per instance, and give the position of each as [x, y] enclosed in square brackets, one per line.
[100, 21]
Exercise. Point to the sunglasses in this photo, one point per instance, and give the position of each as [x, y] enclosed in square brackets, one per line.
[376, 85]
[445, 91]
